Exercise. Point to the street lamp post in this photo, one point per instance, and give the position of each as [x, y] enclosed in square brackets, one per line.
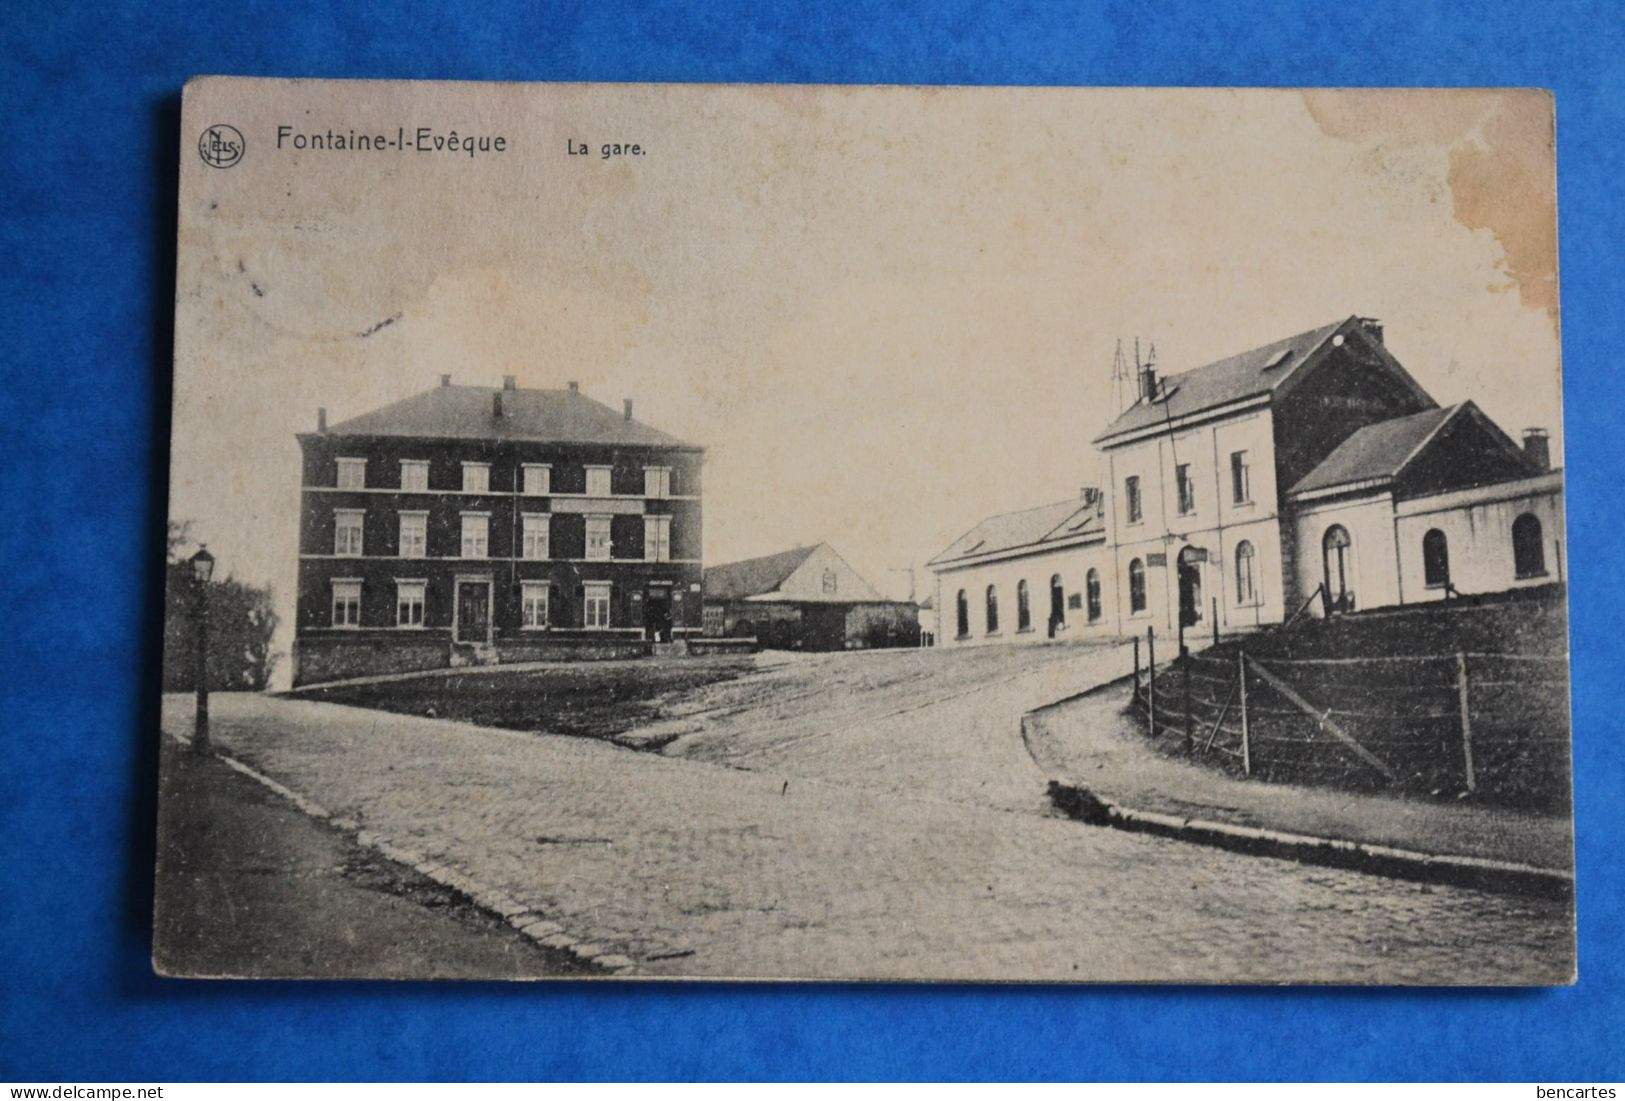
[202, 568]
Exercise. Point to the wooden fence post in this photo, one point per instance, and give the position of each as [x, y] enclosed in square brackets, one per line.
[1246, 745]
[1190, 746]
[1466, 722]
[1151, 677]
[1215, 621]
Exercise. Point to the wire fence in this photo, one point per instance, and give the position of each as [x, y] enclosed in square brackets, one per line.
[1490, 725]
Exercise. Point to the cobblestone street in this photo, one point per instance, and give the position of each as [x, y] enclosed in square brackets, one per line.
[907, 848]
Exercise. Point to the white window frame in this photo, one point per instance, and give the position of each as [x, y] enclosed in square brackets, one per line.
[595, 596]
[350, 587]
[345, 464]
[404, 548]
[604, 473]
[532, 593]
[484, 540]
[607, 522]
[535, 535]
[537, 479]
[657, 538]
[407, 587]
[657, 481]
[414, 464]
[340, 548]
[483, 477]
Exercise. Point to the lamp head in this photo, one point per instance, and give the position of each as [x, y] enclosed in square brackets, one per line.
[202, 565]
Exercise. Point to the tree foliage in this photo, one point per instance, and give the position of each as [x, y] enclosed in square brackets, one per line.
[241, 625]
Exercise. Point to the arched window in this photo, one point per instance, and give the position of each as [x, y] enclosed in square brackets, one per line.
[1339, 567]
[1528, 548]
[1136, 586]
[1246, 574]
[1091, 588]
[992, 610]
[962, 613]
[1435, 559]
[1024, 610]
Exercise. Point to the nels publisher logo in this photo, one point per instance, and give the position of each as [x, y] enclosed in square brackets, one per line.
[220, 146]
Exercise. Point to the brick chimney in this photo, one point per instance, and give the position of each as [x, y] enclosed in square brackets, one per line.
[445, 380]
[1148, 383]
[321, 420]
[628, 408]
[496, 404]
[1537, 448]
[575, 387]
[509, 382]
[1372, 327]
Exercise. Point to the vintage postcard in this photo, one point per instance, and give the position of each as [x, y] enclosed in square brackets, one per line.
[866, 533]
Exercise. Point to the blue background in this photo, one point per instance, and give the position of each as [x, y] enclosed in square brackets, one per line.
[88, 118]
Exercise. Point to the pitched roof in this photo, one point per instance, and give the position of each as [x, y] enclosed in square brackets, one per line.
[465, 412]
[754, 576]
[1029, 527]
[1249, 374]
[1377, 451]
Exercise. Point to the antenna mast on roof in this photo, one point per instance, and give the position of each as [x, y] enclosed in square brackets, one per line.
[1122, 378]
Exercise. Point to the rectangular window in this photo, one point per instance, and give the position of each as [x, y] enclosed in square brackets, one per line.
[414, 534]
[1241, 486]
[409, 603]
[414, 476]
[538, 479]
[533, 604]
[346, 603]
[534, 543]
[1131, 499]
[657, 481]
[598, 536]
[476, 534]
[352, 473]
[713, 619]
[657, 538]
[347, 531]
[476, 477]
[595, 604]
[1187, 489]
[598, 481]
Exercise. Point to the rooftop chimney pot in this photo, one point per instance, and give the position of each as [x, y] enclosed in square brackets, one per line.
[509, 382]
[321, 419]
[496, 404]
[1148, 383]
[575, 387]
[445, 380]
[1537, 447]
[628, 408]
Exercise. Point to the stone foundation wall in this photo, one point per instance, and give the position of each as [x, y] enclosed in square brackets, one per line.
[362, 655]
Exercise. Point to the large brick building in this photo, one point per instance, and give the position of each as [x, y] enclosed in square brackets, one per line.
[1310, 471]
[471, 524]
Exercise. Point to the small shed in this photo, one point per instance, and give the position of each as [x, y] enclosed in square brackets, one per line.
[808, 598]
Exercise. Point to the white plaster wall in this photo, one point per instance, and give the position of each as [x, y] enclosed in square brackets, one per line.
[1072, 564]
[1216, 525]
[1478, 527]
[1370, 524]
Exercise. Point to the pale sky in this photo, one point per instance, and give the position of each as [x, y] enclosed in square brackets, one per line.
[885, 312]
